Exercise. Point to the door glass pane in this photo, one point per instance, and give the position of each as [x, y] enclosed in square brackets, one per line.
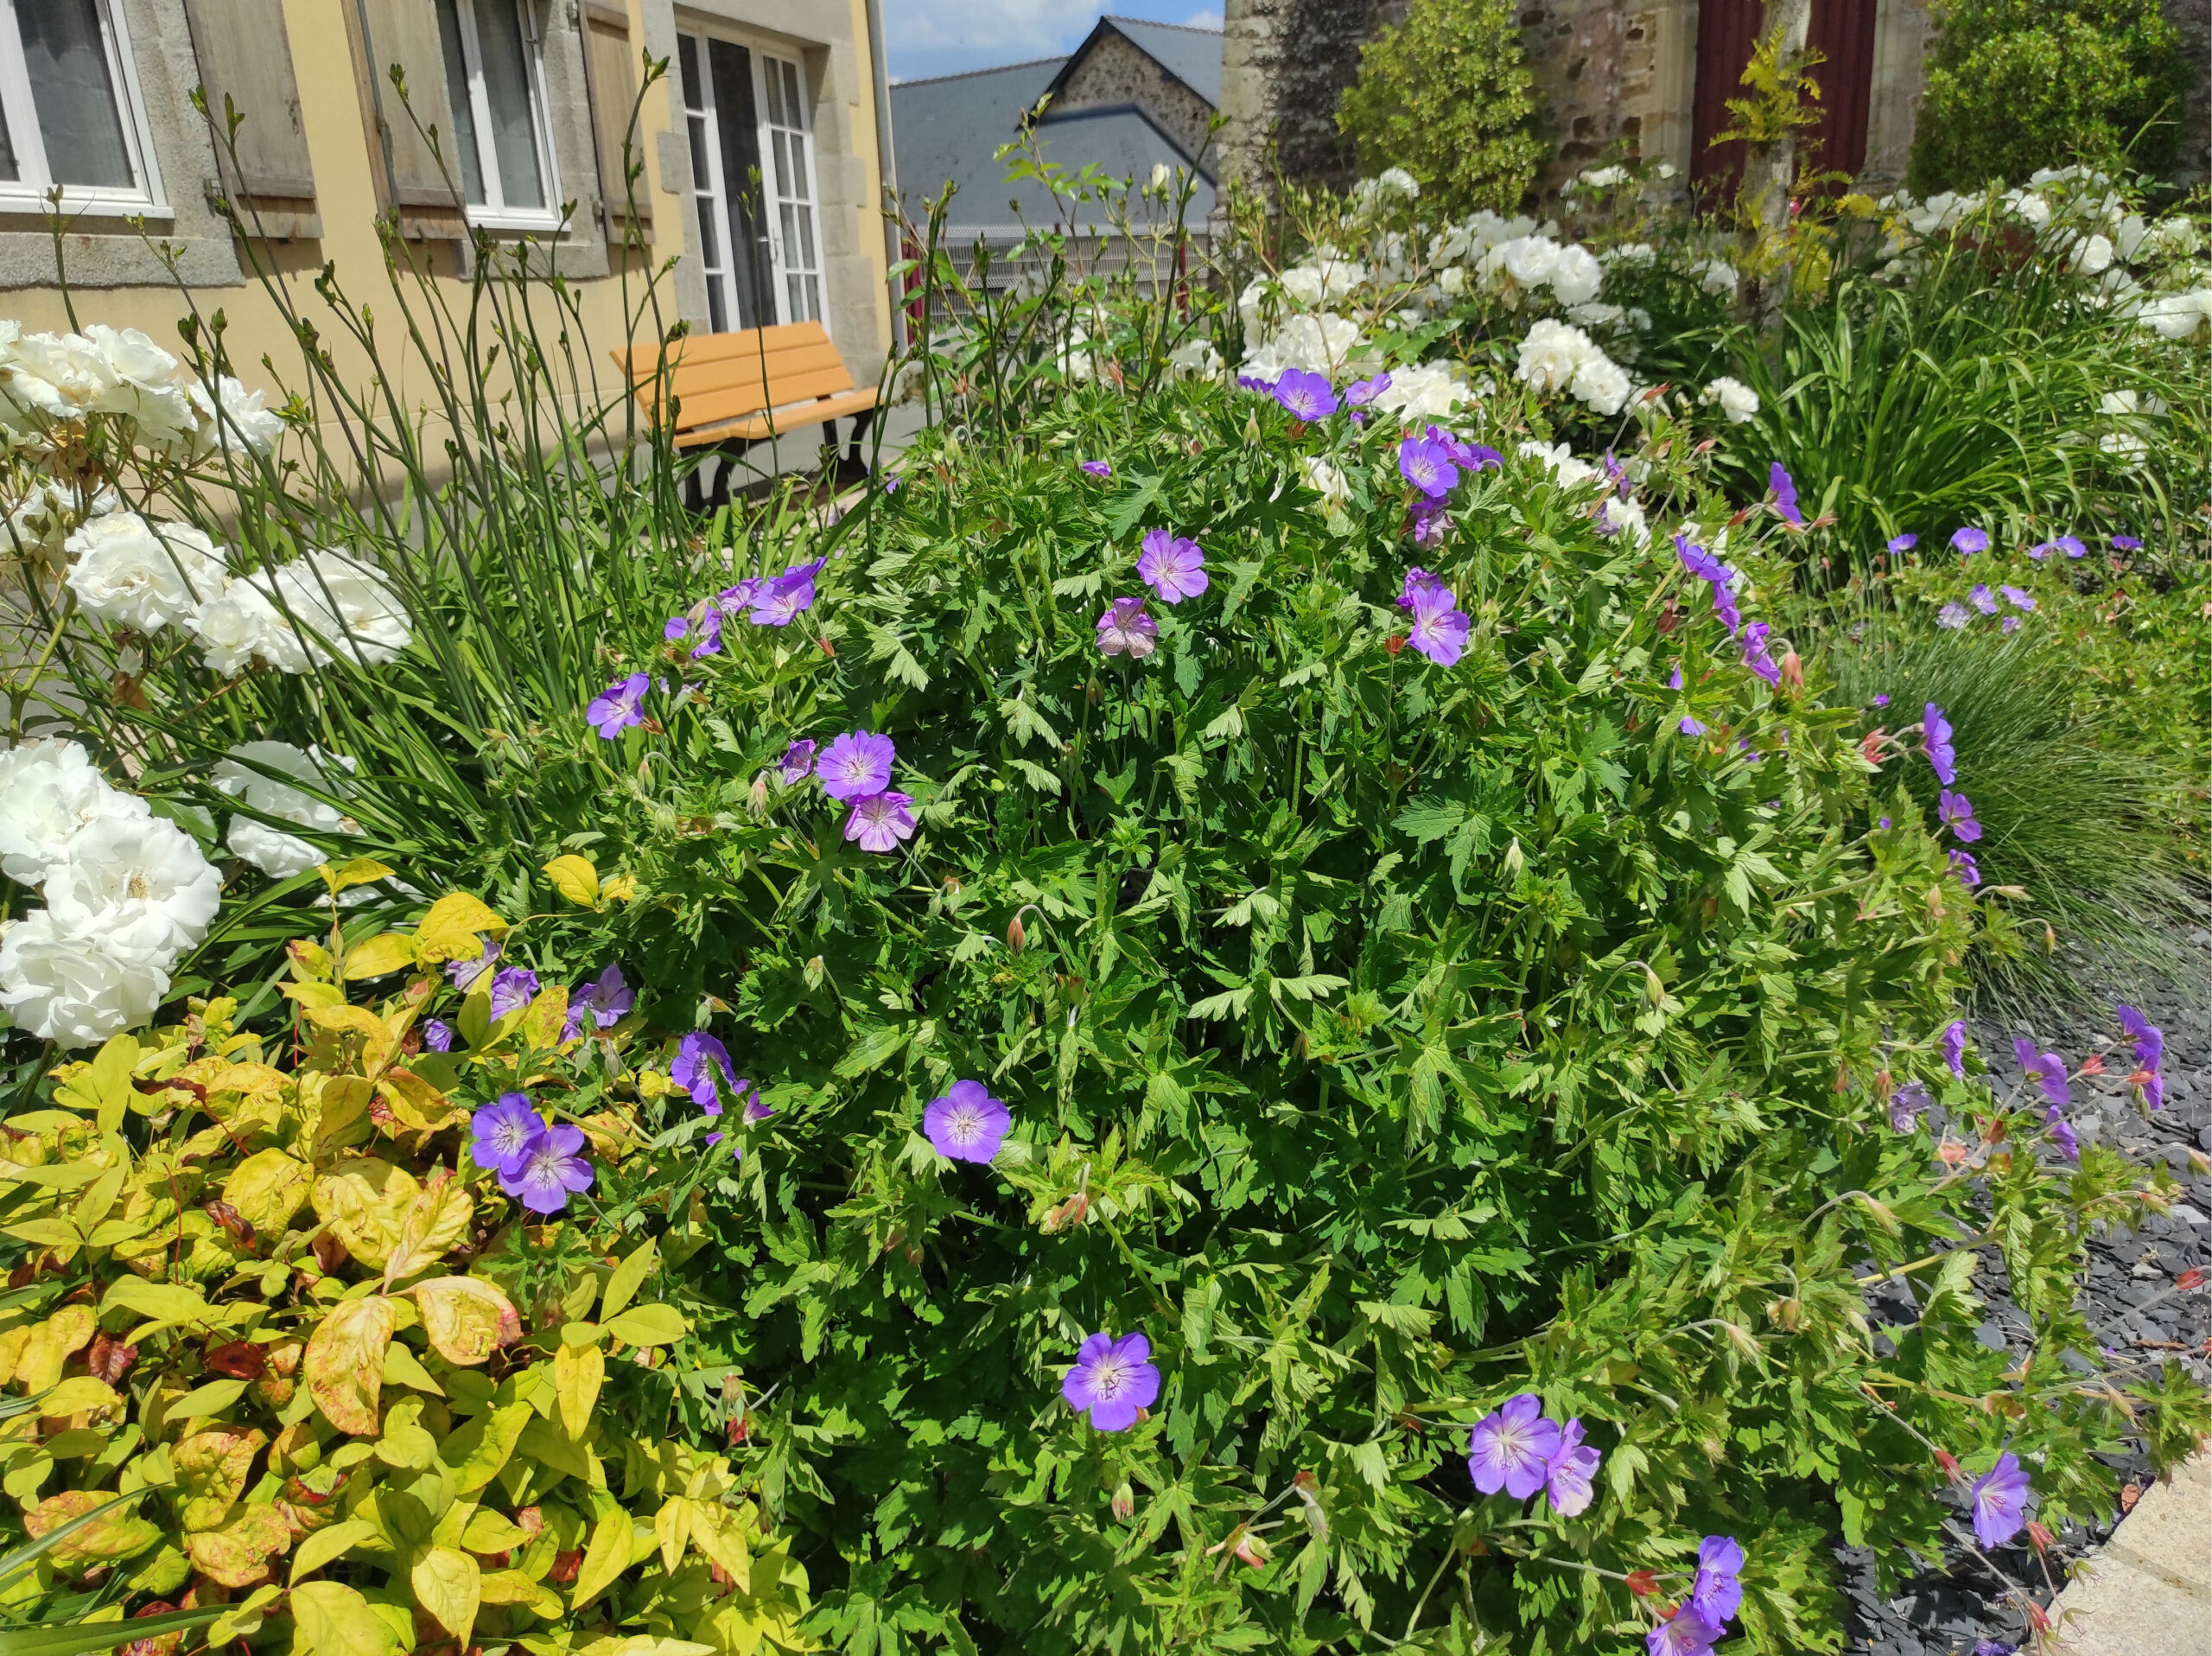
[78, 113]
[9, 171]
[687, 55]
[793, 116]
[737, 113]
[507, 87]
[775, 94]
[463, 149]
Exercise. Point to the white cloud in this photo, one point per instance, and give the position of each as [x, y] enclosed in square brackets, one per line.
[935, 37]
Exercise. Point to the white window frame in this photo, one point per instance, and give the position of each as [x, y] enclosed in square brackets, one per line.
[766, 62]
[30, 193]
[493, 212]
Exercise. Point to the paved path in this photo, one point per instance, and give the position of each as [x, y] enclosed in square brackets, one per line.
[2148, 1590]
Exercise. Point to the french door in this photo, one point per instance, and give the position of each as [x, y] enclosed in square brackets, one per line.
[752, 182]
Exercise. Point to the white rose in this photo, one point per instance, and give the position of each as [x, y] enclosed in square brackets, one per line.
[137, 884]
[348, 606]
[1737, 400]
[2176, 237]
[1396, 180]
[1195, 359]
[1319, 344]
[241, 626]
[1619, 517]
[71, 989]
[55, 376]
[1329, 482]
[142, 383]
[1718, 276]
[2124, 445]
[49, 789]
[1530, 260]
[1430, 391]
[276, 853]
[39, 525]
[1161, 174]
[132, 573]
[2092, 255]
[2179, 316]
[1563, 465]
[234, 419]
[1576, 275]
[1635, 252]
[1603, 384]
[1553, 353]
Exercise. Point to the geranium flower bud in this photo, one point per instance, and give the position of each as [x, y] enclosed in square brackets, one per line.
[1643, 1584]
[2193, 1277]
[1948, 1461]
[1395, 643]
[1654, 991]
[1014, 935]
[2094, 1064]
[1253, 1550]
[2038, 1537]
[1793, 670]
[1125, 1501]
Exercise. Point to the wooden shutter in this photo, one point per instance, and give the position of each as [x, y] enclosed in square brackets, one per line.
[407, 173]
[246, 57]
[611, 79]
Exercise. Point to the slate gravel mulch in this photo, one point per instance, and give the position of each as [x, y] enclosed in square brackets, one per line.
[2129, 1300]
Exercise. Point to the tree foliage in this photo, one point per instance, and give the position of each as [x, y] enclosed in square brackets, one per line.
[1446, 96]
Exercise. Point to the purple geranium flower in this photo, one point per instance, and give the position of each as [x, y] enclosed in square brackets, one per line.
[1935, 742]
[2010, 624]
[701, 1065]
[2126, 543]
[1512, 1447]
[1702, 564]
[1172, 566]
[512, 989]
[856, 765]
[1954, 1046]
[503, 1132]
[1882, 700]
[2149, 1040]
[1901, 544]
[1361, 392]
[1307, 396]
[2062, 1133]
[881, 820]
[1715, 1592]
[1684, 1634]
[1568, 1473]
[784, 598]
[1125, 629]
[796, 764]
[890, 482]
[1966, 869]
[1755, 655]
[1785, 494]
[1952, 616]
[1112, 1380]
[608, 998]
[1999, 1501]
[1255, 382]
[1675, 678]
[463, 974]
[1419, 583]
[1691, 727]
[1430, 520]
[735, 601]
[550, 1171]
[2048, 1069]
[1724, 605]
[1428, 467]
[2016, 598]
[1440, 630]
[1906, 1104]
[1955, 811]
[618, 707]
[1970, 540]
[1096, 467]
[2071, 545]
[966, 1125]
[438, 1036]
[1982, 600]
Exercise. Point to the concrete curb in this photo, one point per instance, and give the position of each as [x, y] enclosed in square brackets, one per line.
[2148, 1590]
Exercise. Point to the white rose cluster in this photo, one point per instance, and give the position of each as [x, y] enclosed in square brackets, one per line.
[126, 894]
[254, 775]
[1556, 357]
[64, 380]
[1736, 400]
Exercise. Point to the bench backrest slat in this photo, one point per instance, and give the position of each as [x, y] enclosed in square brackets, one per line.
[720, 377]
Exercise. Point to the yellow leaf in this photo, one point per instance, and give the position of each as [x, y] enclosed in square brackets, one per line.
[418, 1106]
[113, 1535]
[375, 1035]
[540, 1024]
[162, 1303]
[405, 1443]
[402, 1368]
[344, 1364]
[648, 1325]
[362, 1199]
[335, 1620]
[436, 1220]
[323, 1546]
[268, 1187]
[490, 1532]
[629, 1276]
[449, 1586]
[513, 1587]
[605, 1560]
[389, 952]
[211, 1473]
[577, 1372]
[450, 931]
[719, 1534]
[210, 1398]
[242, 1620]
[53, 1342]
[80, 1394]
[467, 1319]
[621, 889]
[236, 1554]
[672, 1531]
[479, 1448]
[358, 872]
[575, 878]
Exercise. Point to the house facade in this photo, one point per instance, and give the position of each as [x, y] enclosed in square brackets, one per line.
[760, 159]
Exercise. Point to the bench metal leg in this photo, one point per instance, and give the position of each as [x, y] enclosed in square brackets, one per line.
[861, 421]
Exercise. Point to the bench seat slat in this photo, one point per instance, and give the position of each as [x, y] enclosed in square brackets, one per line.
[754, 427]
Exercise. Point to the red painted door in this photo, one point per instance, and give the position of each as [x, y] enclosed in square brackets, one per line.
[1842, 31]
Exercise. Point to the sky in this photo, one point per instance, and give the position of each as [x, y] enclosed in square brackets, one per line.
[935, 37]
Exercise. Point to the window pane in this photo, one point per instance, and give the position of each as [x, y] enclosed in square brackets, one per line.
[77, 115]
[792, 108]
[701, 178]
[775, 92]
[710, 255]
[776, 142]
[462, 149]
[507, 86]
[687, 54]
[9, 170]
[813, 299]
[805, 259]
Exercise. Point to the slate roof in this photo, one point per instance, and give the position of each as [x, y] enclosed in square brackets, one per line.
[949, 128]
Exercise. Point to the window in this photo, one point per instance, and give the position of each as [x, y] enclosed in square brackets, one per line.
[791, 149]
[492, 73]
[69, 110]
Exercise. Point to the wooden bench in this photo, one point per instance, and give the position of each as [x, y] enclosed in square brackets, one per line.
[730, 391]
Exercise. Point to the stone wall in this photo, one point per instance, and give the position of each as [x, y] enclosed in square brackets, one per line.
[1114, 73]
[1283, 64]
[2192, 20]
[1611, 79]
